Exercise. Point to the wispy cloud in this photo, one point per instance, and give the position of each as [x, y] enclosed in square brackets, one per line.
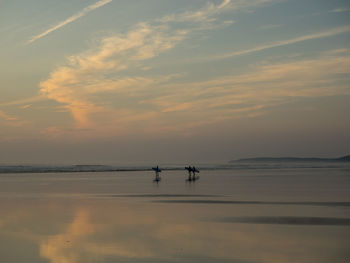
[341, 10]
[7, 117]
[205, 14]
[161, 106]
[250, 94]
[23, 101]
[88, 73]
[26, 106]
[7, 120]
[209, 12]
[324, 34]
[270, 26]
[71, 19]
[106, 90]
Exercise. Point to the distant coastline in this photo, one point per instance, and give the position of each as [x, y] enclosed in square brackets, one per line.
[293, 159]
[248, 163]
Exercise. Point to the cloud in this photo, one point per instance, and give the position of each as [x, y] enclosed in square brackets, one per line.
[107, 91]
[210, 12]
[23, 101]
[341, 10]
[7, 117]
[26, 106]
[249, 94]
[204, 14]
[89, 73]
[324, 34]
[270, 26]
[12, 123]
[76, 84]
[71, 19]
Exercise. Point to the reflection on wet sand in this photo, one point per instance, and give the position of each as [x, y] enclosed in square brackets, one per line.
[135, 230]
[346, 204]
[262, 217]
[69, 246]
[290, 220]
[83, 241]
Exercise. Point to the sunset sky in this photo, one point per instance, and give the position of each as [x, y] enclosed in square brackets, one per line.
[131, 81]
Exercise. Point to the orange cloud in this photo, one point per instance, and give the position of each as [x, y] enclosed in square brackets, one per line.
[161, 105]
[85, 75]
[7, 117]
[106, 90]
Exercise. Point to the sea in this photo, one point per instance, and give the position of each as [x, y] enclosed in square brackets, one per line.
[244, 212]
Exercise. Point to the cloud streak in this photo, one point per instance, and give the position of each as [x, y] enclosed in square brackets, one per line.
[208, 14]
[88, 73]
[324, 34]
[250, 94]
[23, 101]
[106, 91]
[341, 10]
[7, 117]
[71, 19]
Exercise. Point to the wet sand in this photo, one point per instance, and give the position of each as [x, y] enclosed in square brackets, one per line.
[284, 215]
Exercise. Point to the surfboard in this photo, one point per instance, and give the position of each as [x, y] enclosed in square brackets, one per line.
[192, 169]
[156, 169]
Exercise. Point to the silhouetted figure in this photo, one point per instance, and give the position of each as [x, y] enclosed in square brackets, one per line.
[194, 170]
[192, 173]
[157, 171]
[189, 169]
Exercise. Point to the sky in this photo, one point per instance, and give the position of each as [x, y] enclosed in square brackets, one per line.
[163, 81]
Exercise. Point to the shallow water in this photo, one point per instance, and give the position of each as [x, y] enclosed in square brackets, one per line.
[239, 215]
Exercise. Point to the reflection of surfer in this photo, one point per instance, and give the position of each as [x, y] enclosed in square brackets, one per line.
[192, 173]
[157, 171]
[194, 170]
[189, 169]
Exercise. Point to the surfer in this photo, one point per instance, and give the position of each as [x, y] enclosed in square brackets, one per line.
[194, 171]
[157, 171]
[190, 170]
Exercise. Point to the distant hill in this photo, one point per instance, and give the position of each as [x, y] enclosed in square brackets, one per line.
[293, 159]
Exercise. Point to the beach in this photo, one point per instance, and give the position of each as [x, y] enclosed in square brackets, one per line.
[206, 131]
[284, 213]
